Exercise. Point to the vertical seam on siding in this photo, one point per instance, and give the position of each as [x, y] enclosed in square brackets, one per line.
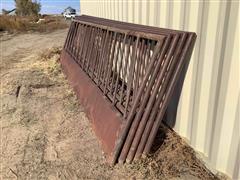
[214, 143]
[157, 16]
[133, 11]
[140, 13]
[198, 66]
[215, 74]
[169, 17]
[147, 12]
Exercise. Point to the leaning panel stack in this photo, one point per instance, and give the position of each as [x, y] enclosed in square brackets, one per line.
[124, 75]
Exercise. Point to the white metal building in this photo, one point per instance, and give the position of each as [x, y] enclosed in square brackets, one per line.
[208, 112]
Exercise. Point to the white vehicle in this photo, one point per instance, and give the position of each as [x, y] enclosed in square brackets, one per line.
[69, 15]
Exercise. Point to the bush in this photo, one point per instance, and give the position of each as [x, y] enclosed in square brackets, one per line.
[13, 23]
[27, 8]
[29, 23]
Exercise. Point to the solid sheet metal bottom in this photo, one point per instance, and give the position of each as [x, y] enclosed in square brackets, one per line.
[105, 119]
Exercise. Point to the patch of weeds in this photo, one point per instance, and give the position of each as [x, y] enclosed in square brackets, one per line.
[54, 69]
[27, 118]
[45, 82]
[51, 58]
[33, 165]
[34, 77]
[40, 86]
[71, 104]
[50, 53]
[8, 110]
[29, 23]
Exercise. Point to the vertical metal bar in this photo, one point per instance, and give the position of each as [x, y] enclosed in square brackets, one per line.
[80, 55]
[120, 67]
[138, 67]
[107, 56]
[98, 40]
[130, 78]
[93, 54]
[125, 68]
[115, 63]
[104, 60]
[87, 46]
[103, 50]
[67, 39]
[79, 36]
[70, 36]
[146, 47]
[71, 39]
[135, 70]
[111, 62]
[100, 49]
[88, 58]
[78, 39]
[81, 45]
[144, 64]
[146, 56]
[74, 40]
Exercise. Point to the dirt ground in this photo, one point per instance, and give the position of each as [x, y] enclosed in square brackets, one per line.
[45, 133]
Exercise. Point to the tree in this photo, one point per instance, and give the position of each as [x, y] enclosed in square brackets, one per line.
[27, 7]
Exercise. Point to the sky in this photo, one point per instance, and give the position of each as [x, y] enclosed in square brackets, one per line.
[48, 6]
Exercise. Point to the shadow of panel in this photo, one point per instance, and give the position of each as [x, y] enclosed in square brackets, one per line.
[170, 115]
[171, 112]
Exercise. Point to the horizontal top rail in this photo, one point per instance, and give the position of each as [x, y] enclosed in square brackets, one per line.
[130, 26]
[124, 31]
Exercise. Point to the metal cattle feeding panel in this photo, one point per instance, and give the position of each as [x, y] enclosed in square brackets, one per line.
[124, 76]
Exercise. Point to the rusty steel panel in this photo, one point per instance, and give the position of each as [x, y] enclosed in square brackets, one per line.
[124, 75]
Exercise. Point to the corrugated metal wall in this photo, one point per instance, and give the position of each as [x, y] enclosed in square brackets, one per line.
[208, 112]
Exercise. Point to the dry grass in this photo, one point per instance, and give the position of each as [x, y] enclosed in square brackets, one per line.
[172, 157]
[23, 24]
[49, 53]
[51, 58]
[11, 24]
